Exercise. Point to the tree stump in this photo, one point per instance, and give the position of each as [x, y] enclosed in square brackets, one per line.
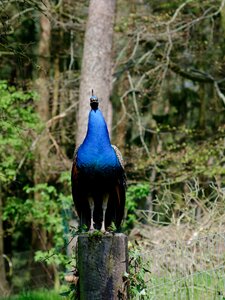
[102, 261]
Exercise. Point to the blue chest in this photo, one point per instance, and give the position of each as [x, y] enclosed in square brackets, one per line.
[95, 156]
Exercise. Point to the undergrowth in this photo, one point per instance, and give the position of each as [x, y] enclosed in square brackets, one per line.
[35, 295]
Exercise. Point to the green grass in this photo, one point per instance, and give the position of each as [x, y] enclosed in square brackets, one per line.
[36, 295]
[197, 286]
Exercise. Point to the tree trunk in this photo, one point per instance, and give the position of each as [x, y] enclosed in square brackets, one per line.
[223, 17]
[202, 110]
[41, 163]
[44, 63]
[96, 70]
[39, 235]
[4, 288]
[102, 262]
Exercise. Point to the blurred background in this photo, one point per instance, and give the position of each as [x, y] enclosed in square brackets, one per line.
[168, 120]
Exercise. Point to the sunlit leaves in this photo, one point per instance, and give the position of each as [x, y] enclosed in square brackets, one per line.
[18, 123]
[135, 193]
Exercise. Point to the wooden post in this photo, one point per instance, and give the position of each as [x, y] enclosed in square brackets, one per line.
[102, 261]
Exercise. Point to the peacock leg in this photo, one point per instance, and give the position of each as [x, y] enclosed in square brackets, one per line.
[104, 207]
[91, 204]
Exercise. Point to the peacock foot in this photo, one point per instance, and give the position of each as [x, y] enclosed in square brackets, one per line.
[91, 229]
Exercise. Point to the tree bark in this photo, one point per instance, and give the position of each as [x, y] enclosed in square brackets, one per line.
[42, 89]
[44, 62]
[96, 72]
[40, 239]
[4, 288]
[102, 263]
[41, 163]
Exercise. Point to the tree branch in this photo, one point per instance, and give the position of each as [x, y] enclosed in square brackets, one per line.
[138, 114]
[61, 116]
[219, 93]
[197, 76]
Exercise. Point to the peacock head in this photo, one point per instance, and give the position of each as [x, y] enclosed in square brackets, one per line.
[94, 101]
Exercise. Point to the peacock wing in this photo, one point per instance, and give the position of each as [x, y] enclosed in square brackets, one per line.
[119, 156]
[75, 183]
[79, 193]
[118, 194]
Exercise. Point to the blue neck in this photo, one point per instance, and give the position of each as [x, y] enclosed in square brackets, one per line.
[97, 133]
[96, 155]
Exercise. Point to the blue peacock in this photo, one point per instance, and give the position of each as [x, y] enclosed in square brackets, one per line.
[98, 176]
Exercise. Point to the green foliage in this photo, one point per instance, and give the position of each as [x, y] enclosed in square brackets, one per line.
[70, 293]
[184, 161]
[49, 212]
[134, 195]
[35, 295]
[112, 227]
[18, 123]
[136, 276]
[95, 235]
[52, 211]
[52, 257]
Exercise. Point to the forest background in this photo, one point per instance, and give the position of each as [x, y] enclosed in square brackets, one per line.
[168, 120]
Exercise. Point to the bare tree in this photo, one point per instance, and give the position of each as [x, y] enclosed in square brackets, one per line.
[40, 238]
[43, 92]
[96, 70]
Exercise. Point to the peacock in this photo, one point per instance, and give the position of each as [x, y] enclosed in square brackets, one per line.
[98, 176]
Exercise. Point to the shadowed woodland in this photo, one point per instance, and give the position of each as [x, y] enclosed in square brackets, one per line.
[165, 109]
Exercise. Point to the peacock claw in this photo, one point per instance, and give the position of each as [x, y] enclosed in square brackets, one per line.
[104, 231]
[91, 230]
